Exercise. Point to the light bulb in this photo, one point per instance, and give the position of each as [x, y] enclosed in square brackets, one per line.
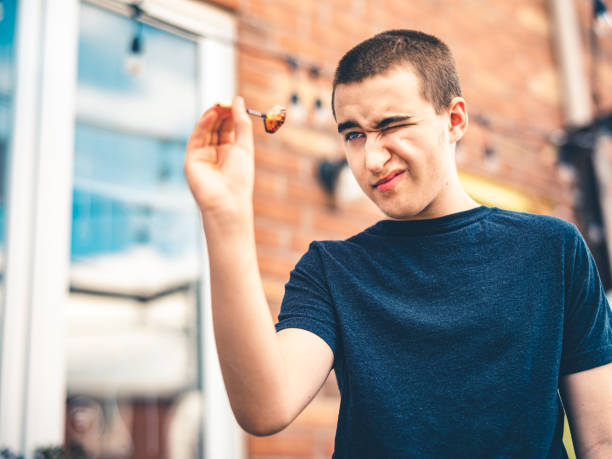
[321, 115]
[603, 24]
[567, 173]
[347, 188]
[134, 61]
[491, 159]
[296, 109]
[134, 64]
[603, 20]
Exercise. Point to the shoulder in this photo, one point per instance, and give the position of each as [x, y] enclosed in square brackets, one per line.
[329, 247]
[534, 225]
[340, 251]
[527, 220]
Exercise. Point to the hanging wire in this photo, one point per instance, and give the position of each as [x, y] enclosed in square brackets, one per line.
[600, 25]
[496, 124]
[602, 18]
[136, 45]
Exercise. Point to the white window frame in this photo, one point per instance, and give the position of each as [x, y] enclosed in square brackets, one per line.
[39, 198]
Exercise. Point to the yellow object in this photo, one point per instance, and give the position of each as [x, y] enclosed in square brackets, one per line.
[495, 194]
[567, 441]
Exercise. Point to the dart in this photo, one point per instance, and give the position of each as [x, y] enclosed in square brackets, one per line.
[273, 119]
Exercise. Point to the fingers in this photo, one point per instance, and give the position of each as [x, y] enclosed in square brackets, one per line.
[223, 129]
[242, 125]
[214, 136]
[226, 129]
[202, 132]
[220, 126]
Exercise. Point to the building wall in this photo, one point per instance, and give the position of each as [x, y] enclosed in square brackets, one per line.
[504, 53]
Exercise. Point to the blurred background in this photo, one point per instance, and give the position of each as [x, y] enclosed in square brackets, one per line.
[107, 347]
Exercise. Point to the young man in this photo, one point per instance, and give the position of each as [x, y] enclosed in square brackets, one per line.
[450, 326]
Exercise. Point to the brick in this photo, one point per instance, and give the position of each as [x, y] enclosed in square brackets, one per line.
[269, 12]
[277, 161]
[256, 77]
[274, 290]
[269, 184]
[299, 8]
[311, 192]
[266, 236]
[310, 141]
[274, 264]
[534, 18]
[284, 443]
[302, 46]
[366, 209]
[337, 42]
[276, 210]
[250, 56]
[321, 412]
[300, 241]
[259, 99]
[342, 226]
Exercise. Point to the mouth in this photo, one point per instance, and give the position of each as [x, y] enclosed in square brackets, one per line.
[388, 178]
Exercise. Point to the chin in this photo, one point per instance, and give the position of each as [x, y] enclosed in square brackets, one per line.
[406, 210]
[402, 213]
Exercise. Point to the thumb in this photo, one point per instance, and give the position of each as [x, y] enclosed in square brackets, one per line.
[243, 124]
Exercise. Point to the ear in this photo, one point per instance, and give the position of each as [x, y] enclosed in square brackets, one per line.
[458, 119]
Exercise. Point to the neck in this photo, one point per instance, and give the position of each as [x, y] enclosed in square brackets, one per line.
[451, 199]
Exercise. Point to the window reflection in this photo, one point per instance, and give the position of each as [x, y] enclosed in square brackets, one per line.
[133, 361]
[7, 89]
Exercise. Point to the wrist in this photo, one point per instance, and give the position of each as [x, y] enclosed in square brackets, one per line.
[227, 222]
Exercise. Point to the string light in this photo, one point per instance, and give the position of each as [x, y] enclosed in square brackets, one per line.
[499, 126]
[491, 160]
[602, 18]
[320, 112]
[320, 115]
[134, 61]
[297, 109]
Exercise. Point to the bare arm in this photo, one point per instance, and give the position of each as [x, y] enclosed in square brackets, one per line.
[269, 378]
[587, 398]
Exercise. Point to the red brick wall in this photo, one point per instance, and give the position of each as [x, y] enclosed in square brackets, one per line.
[504, 53]
[603, 63]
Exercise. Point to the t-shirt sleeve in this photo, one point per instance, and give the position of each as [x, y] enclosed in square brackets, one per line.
[307, 303]
[587, 337]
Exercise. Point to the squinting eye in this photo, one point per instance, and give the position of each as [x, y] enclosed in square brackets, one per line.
[352, 136]
[397, 126]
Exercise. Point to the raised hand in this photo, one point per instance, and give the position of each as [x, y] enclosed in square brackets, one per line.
[219, 162]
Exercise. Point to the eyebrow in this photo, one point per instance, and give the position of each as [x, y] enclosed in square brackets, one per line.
[379, 125]
[347, 125]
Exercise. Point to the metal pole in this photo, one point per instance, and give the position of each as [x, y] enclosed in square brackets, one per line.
[566, 36]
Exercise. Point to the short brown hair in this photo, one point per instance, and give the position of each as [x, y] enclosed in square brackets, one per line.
[429, 57]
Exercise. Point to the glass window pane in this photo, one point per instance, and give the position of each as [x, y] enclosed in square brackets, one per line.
[133, 362]
[8, 13]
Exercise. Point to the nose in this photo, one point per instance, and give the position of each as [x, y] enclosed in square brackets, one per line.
[376, 155]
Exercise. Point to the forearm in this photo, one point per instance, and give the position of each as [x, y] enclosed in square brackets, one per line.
[601, 450]
[247, 345]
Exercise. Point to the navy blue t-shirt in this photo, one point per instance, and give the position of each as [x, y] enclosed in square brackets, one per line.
[450, 334]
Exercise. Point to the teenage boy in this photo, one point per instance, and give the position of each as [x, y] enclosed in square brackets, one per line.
[451, 326]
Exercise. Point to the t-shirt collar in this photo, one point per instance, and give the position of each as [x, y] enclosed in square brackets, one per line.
[437, 225]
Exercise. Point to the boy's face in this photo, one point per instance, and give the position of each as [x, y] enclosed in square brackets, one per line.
[387, 128]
